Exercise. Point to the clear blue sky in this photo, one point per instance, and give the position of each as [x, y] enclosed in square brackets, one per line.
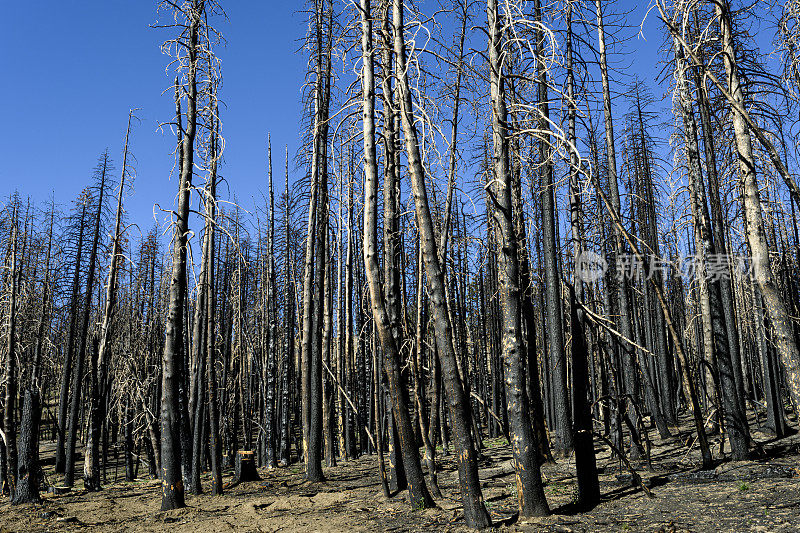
[72, 69]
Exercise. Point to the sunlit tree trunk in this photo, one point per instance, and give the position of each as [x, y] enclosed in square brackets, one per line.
[530, 492]
[386, 316]
[475, 514]
[754, 222]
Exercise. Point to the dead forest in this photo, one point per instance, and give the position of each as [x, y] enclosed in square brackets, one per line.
[500, 234]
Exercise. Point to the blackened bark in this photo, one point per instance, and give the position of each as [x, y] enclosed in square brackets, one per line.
[386, 316]
[215, 444]
[77, 383]
[475, 514]
[272, 341]
[530, 492]
[288, 333]
[624, 321]
[172, 484]
[9, 408]
[66, 373]
[310, 338]
[585, 460]
[28, 469]
[130, 471]
[553, 309]
[718, 229]
[715, 330]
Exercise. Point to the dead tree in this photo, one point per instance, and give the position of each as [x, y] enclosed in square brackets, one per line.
[475, 513]
[189, 17]
[99, 358]
[101, 173]
[28, 472]
[386, 322]
[66, 374]
[9, 408]
[530, 492]
[311, 325]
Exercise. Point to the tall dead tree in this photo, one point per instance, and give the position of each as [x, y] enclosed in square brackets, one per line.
[272, 332]
[386, 325]
[624, 320]
[10, 399]
[715, 333]
[316, 238]
[215, 444]
[530, 492]
[189, 17]
[777, 310]
[66, 373]
[100, 357]
[101, 173]
[475, 513]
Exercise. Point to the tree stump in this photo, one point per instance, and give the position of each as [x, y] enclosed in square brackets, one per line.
[246, 467]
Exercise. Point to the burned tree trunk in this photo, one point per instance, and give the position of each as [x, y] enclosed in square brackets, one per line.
[172, 485]
[29, 470]
[715, 331]
[623, 301]
[272, 342]
[754, 223]
[99, 358]
[77, 383]
[386, 320]
[530, 492]
[475, 514]
[9, 407]
[215, 445]
[66, 372]
[310, 340]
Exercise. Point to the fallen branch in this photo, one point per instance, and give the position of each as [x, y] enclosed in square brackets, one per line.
[352, 405]
[635, 475]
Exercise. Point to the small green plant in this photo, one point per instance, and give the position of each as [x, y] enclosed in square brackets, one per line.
[493, 443]
[555, 489]
[744, 487]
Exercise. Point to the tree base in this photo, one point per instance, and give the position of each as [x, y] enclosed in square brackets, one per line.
[26, 492]
[28, 470]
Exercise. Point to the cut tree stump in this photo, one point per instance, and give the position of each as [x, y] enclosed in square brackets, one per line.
[246, 467]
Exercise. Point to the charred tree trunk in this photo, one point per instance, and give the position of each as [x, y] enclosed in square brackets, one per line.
[272, 339]
[475, 514]
[386, 316]
[77, 383]
[66, 374]
[9, 401]
[172, 484]
[530, 492]
[715, 331]
[215, 444]
[754, 224]
[29, 470]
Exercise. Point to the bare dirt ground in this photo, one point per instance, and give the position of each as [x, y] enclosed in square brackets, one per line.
[762, 494]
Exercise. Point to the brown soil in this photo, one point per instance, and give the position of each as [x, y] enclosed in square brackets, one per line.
[762, 494]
